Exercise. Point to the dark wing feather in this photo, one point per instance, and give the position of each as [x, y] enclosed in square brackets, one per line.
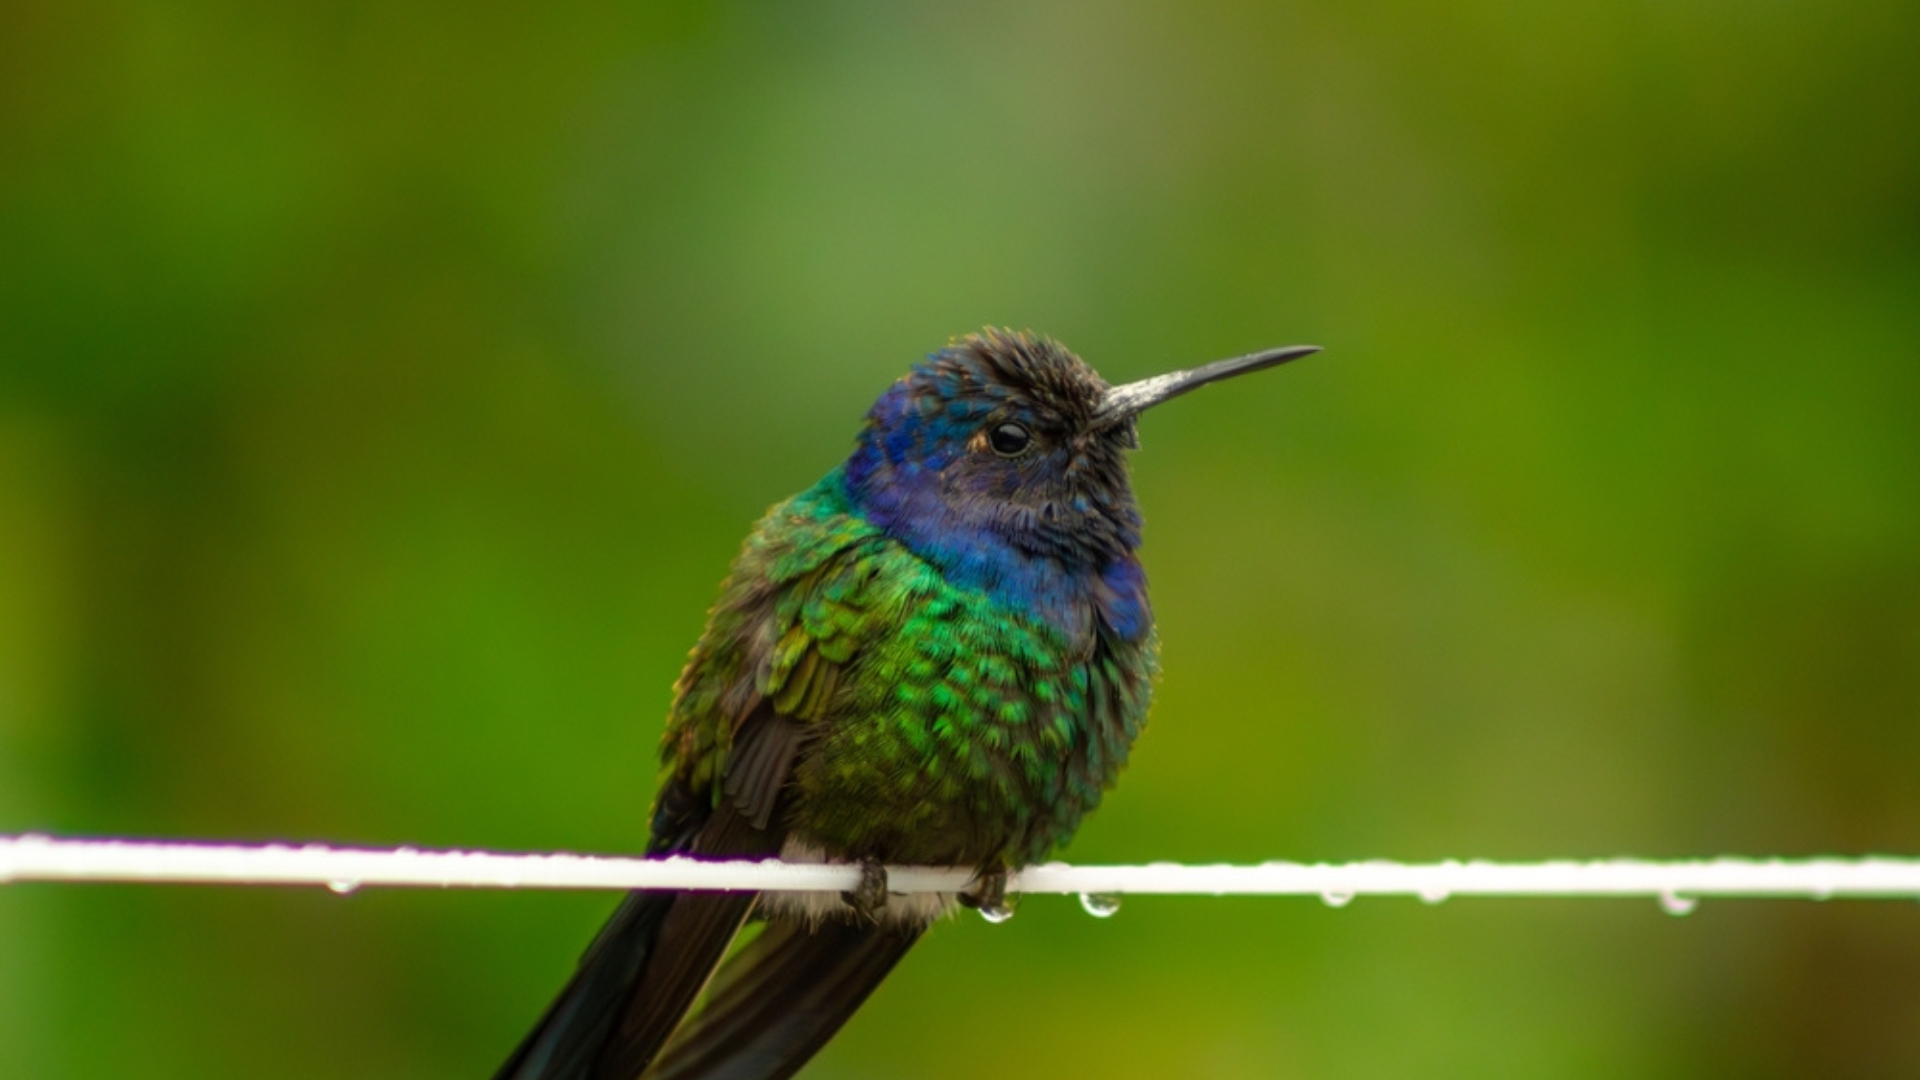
[779, 1000]
[763, 756]
[724, 799]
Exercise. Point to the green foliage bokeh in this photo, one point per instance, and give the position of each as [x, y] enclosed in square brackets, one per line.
[384, 388]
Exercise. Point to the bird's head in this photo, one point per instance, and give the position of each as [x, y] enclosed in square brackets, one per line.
[1005, 447]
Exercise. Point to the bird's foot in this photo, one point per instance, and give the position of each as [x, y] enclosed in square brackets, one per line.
[869, 899]
[988, 894]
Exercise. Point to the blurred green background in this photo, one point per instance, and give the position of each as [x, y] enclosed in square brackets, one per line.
[384, 389]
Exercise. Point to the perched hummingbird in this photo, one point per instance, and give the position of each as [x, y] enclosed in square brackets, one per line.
[939, 654]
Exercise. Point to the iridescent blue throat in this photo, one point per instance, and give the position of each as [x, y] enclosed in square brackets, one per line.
[894, 480]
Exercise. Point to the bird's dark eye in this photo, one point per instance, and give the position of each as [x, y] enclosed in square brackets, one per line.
[1009, 440]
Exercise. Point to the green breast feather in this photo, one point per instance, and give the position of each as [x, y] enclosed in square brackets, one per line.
[942, 727]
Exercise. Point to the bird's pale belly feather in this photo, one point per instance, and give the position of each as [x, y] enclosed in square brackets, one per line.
[906, 909]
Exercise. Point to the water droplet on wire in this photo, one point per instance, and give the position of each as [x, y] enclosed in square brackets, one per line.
[342, 886]
[1434, 896]
[1099, 905]
[1674, 904]
[1337, 897]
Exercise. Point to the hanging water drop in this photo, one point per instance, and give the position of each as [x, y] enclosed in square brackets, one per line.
[996, 912]
[1674, 904]
[1099, 905]
[1435, 896]
[342, 886]
[1337, 897]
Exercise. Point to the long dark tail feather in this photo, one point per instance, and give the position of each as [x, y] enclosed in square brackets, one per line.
[778, 1001]
[693, 939]
[633, 986]
[641, 974]
[569, 1035]
[644, 971]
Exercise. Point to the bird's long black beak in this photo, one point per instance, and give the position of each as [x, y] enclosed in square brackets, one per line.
[1128, 400]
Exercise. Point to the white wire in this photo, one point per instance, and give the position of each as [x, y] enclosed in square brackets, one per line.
[42, 858]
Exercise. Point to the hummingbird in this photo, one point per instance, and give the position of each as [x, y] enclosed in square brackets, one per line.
[940, 654]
